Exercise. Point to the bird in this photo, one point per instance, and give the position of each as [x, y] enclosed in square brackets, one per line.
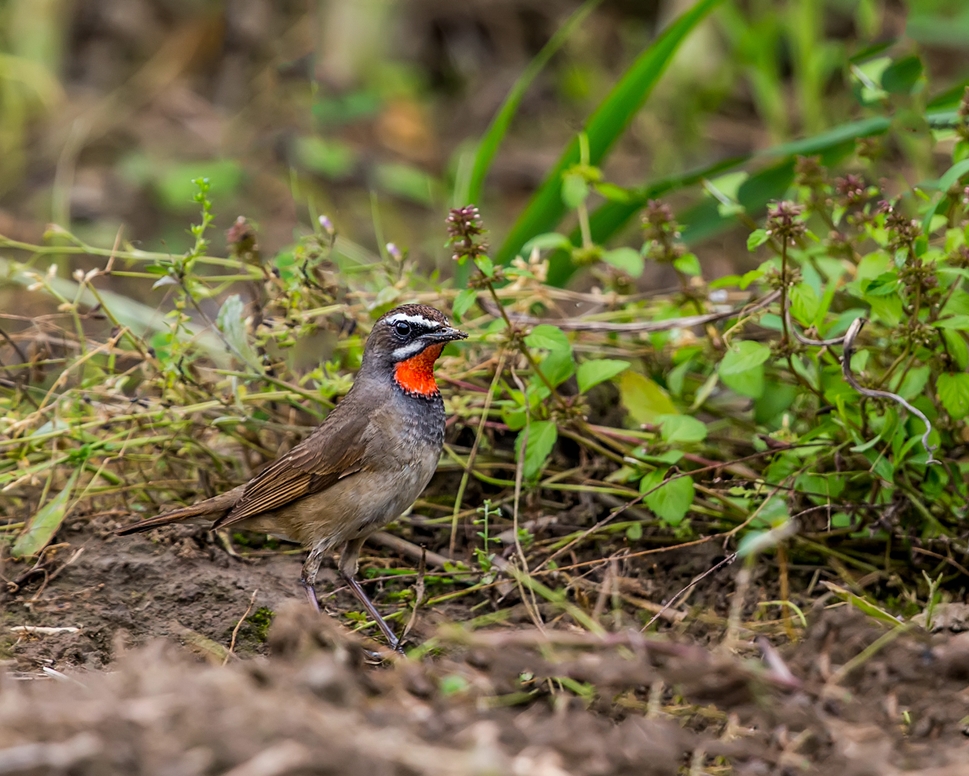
[366, 463]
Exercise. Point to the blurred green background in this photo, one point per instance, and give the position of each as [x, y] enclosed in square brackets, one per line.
[369, 111]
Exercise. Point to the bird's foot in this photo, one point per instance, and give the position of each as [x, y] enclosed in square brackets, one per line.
[310, 589]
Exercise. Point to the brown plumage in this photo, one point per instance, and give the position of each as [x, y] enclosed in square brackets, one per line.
[363, 466]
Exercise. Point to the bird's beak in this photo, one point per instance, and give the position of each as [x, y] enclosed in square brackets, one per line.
[447, 334]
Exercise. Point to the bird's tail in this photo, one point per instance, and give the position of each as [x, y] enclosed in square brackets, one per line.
[204, 512]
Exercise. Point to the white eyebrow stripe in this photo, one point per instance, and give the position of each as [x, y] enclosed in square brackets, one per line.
[420, 320]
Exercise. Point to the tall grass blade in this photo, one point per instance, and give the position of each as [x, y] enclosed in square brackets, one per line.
[605, 126]
[495, 134]
[45, 523]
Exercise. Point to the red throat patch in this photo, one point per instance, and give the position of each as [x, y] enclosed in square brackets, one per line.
[416, 375]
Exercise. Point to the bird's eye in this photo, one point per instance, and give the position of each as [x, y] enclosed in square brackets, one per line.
[402, 328]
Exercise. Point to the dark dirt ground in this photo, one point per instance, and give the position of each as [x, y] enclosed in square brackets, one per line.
[139, 687]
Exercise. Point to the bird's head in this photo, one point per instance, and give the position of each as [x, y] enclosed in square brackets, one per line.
[406, 342]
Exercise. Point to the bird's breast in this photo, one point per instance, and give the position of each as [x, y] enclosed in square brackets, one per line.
[402, 456]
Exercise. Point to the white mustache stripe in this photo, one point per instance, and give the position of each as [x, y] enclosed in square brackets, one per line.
[408, 351]
[417, 320]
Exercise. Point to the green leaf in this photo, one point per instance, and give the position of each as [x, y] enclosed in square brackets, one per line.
[955, 343]
[886, 310]
[670, 501]
[548, 337]
[541, 436]
[558, 366]
[774, 512]
[682, 429]
[231, 322]
[575, 189]
[885, 284]
[495, 134]
[463, 301]
[688, 264]
[591, 373]
[864, 605]
[627, 260]
[486, 265]
[804, 304]
[820, 488]
[514, 417]
[757, 238]
[752, 542]
[453, 684]
[952, 175]
[954, 394]
[914, 382]
[957, 322]
[545, 242]
[880, 465]
[603, 129]
[643, 399]
[742, 367]
[900, 76]
[43, 525]
[612, 192]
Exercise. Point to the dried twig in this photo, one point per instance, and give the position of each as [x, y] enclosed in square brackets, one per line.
[419, 593]
[235, 630]
[849, 348]
[408, 549]
[775, 662]
[41, 630]
[807, 340]
[699, 577]
[636, 641]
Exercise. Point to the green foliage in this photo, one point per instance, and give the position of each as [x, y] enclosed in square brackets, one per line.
[742, 367]
[541, 436]
[44, 524]
[260, 620]
[645, 401]
[592, 373]
[495, 134]
[754, 406]
[603, 129]
[670, 500]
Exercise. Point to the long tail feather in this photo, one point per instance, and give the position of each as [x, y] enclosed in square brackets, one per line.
[209, 511]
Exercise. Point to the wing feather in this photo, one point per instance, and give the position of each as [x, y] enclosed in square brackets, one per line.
[334, 451]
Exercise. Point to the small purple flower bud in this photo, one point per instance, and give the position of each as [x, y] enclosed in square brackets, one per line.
[395, 253]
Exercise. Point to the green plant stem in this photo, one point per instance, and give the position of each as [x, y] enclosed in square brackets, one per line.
[458, 499]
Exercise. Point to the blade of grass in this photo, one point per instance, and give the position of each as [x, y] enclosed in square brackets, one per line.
[45, 523]
[604, 127]
[495, 134]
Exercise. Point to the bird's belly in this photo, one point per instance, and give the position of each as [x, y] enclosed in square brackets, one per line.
[356, 506]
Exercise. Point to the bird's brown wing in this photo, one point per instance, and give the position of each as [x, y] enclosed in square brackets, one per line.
[334, 451]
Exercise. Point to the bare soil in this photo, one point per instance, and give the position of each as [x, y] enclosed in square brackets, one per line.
[140, 687]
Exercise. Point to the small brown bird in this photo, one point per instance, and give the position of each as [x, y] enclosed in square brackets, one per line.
[364, 465]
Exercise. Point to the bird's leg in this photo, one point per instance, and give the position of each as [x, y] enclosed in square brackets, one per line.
[348, 569]
[307, 577]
